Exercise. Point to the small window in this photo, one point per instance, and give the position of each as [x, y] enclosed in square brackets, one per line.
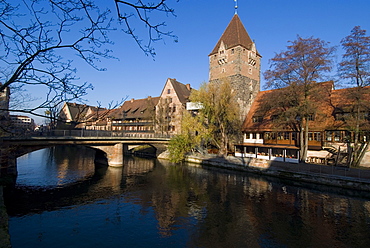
[311, 117]
[169, 91]
[257, 119]
[232, 51]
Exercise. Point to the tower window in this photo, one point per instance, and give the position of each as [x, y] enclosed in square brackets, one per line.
[232, 51]
[223, 70]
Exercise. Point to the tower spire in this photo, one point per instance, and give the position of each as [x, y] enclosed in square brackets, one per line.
[236, 7]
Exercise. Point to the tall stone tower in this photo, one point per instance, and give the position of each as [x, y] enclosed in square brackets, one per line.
[235, 59]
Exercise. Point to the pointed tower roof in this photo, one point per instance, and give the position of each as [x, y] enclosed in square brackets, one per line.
[235, 34]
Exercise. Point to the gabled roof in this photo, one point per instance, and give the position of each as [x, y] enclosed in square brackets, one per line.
[182, 91]
[234, 35]
[79, 112]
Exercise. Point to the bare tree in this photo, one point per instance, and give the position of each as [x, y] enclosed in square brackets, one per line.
[52, 113]
[38, 39]
[142, 10]
[297, 69]
[355, 71]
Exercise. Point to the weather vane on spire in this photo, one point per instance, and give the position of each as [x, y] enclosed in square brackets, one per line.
[236, 6]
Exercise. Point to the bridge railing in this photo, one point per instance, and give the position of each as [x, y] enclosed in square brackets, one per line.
[99, 133]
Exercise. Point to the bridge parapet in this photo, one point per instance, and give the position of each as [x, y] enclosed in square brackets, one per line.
[97, 133]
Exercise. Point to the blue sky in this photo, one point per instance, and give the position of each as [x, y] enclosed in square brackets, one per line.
[199, 25]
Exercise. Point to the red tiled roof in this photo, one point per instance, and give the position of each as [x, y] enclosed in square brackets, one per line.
[323, 118]
[235, 34]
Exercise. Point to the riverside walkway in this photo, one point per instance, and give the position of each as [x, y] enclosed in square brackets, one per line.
[349, 178]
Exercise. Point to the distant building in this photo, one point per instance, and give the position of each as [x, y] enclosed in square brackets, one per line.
[22, 123]
[161, 114]
[74, 115]
[4, 104]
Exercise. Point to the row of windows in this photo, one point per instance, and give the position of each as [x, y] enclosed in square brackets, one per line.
[329, 136]
[222, 52]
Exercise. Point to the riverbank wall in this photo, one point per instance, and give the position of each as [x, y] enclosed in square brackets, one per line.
[347, 178]
[4, 232]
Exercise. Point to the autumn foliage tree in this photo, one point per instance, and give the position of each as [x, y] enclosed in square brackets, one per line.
[193, 137]
[296, 72]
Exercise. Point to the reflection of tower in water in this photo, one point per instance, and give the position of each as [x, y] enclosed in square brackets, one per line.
[135, 166]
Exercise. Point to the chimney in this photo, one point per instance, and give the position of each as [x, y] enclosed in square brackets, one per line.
[132, 100]
[149, 97]
[188, 87]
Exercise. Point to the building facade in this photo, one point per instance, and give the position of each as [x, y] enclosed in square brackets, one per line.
[171, 104]
[236, 60]
[22, 123]
[331, 126]
[134, 116]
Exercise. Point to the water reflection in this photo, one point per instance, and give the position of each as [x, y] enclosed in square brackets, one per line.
[150, 203]
[55, 166]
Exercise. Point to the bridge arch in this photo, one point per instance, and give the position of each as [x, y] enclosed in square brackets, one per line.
[110, 150]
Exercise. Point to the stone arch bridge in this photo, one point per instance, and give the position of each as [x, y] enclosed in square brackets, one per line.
[110, 148]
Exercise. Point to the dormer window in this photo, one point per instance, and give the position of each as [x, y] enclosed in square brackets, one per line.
[257, 119]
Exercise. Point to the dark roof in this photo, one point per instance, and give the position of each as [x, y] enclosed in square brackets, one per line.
[183, 91]
[78, 111]
[234, 35]
[136, 109]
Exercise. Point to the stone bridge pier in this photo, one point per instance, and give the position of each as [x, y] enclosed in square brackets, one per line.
[110, 154]
[113, 154]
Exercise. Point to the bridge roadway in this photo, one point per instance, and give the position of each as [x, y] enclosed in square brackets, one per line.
[110, 146]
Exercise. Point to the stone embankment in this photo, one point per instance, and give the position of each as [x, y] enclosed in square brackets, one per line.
[4, 233]
[348, 178]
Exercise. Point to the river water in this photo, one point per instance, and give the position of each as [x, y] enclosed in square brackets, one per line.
[62, 199]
